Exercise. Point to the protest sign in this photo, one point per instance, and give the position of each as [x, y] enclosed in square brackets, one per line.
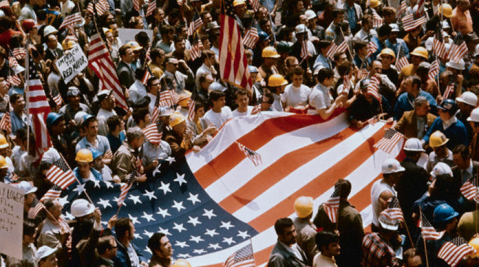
[11, 220]
[72, 63]
[127, 35]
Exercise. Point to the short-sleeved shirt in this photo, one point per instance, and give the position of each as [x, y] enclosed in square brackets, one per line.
[102, 144]
[293, 96]
[319, 97]
[236, 113]
[218, 118]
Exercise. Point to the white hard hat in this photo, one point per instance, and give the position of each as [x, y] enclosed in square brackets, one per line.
[391, 166]
[49, 30]
[310, 14]
[301, 28]
[81, 207]
[476, 51]
[474, 115]
[458, 66]
[445, 25]
[413, 144]
[27, 187]
[468, 98]
[44, 252]
[441, 168]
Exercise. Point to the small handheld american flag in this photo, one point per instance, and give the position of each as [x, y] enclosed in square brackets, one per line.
[452, 252]
[244, 257]
[252, 155]
[393, 211]
[427, 230]
[53, 193]
[125, 187]
[61, 174]
[389, 141]
[469, 189]
[331, 207]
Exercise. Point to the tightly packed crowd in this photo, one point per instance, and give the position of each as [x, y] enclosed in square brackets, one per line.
[412, 63]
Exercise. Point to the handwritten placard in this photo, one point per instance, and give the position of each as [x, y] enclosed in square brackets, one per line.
[72, 63]
[11, 220]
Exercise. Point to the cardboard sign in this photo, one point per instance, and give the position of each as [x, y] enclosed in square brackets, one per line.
[127, 35]
[71, 64]
[11, 220]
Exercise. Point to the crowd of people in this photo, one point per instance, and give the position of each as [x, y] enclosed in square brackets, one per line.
[413, 64]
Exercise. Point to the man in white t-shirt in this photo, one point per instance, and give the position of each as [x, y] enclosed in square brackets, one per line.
[242, 101]
[296, 94]
[220, 113]
[320, 98]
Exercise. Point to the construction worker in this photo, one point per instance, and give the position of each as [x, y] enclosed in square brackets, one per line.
[305, 229]
[85, 171]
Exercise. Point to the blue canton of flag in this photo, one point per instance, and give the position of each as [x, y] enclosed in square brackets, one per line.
[173, 203]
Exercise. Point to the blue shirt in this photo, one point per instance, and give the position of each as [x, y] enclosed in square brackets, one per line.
[456, 132]
[405, 103]
[94, 174]
[115, 142]
[395, 47]
[353, 19]
[103, 144]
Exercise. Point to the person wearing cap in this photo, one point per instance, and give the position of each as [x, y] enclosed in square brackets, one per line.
[276, 85]
[379, 248]
[466, 103]
[387, 57]
[28, 192]
[445, 220]
[315, 30]
[240, 8]
[350, 227]
[18, 116]
[128, 157]
[46, 257]
[319, 98]
[162, 250]
[328, 245]
[263, 42]
[102, 168]
[178, 137]
[208, 58]
[305, 229]
[395, 43]
[268, 68]
[367, 32]
[153, 153]
[465, 167]
[73, 107]
[92, 138]
[302, 34]
[440, 153]
[84, 170]
[124, 69]
[419, 55]
[107, 104]
[331, 31]
[448, 123]
[55, 232]
[284, 49]
[382, 190]
[286, 252]
[412, 89]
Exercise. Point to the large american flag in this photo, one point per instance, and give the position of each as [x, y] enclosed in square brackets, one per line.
[458, 49]
[60, 174]
[100, 62]
[38, 107]
[393, 211]
[401, 60]
[452, 252]
[233, 63]
[251, 37]
[244, 257]
[469, 189]
[194, 26]
[208, 213]
[389, 141]
[338, 45]
[428, 231]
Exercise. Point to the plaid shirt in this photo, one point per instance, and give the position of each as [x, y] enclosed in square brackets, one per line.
[377, 252]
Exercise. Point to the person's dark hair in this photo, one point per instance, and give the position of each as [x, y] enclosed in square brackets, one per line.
[324, 73]
[178, 39]
[113, 122]
[139, 114]
[337, 55]
[165, 29]
[49, 203]
[344, 188]
[14, 98]
[324, 238]
[297, 71]
[446, 187]
[388, 11]
[358, 45]
[123, 48]
[336, 12]
[324, 44]
[154, 53]
[241, 92]
[21, 134]
[142, 38]
[87, 122]
[216, 94]
[6, 22]
[198, 105]
[384, 30]
[150, 82]
[462, 150]
[122, 226]
[263, 21]
[206, 54]
[28, 228]
[203, 13]
[415, 81]
[366, 19]
[104, 244]
[281, 224]
[344, 68]
[154, 241]
[202, 77]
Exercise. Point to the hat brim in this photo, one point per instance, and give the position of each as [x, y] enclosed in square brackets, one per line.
[33, 190]
[389, 227]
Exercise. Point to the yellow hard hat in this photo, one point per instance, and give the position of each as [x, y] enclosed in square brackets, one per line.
[276, 80]
[420, 52]
[375, 3]
[270, 51]
[183, 100]
[181, 263]
[3, 142]
[238, 2]
[437, 139]
[303, 206]
[446, 10]
[176, 118]
[389, 52]
[84, 155]
[3, 163]
[475, 244]
[68, 44]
